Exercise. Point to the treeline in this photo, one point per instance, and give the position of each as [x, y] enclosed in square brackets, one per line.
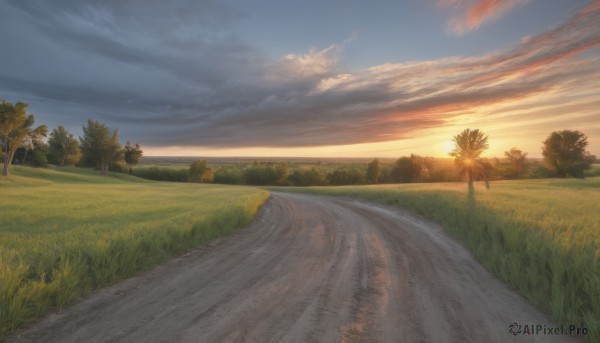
[564, 155]
[99, 147]
[407, 169]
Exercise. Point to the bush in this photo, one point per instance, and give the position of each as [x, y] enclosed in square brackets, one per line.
[310, 177]
[118, 167]
[346, 176]
[270, 173]
[260, 175]
[538, 171]
[229, 176]
[161, 174]
[38, 159]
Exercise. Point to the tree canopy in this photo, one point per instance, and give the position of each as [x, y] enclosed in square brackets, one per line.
[100, 146]
[133, 155]
[16, 130]
[63, 144]
[469, 145]
[517, 159]
[374, 171]
[410, 169]
[564, 152]
[200, 172]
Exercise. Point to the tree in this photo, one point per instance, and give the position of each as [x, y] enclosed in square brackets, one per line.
[410, 169]
[63, 144]
[469, 145]
[402, 170]
[373, 171]
[31, 151]
[200, 172]
[27, 145]
[564, 152]
[16, 130]
[281, 171]
[518, 159]
[133, 155]
[39, 156]
[100, 147]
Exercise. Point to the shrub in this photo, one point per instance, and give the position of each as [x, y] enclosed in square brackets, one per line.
[346, 176]
[270, 173]
[38, 159]
[229, 176]
[311, 177]
[161, 174]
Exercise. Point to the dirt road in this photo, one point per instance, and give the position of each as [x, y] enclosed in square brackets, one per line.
[309, 269]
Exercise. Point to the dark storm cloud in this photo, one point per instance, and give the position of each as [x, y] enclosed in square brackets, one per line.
[176, 74]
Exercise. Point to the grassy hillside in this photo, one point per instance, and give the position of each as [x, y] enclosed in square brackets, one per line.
[540, 236]
[66, 231]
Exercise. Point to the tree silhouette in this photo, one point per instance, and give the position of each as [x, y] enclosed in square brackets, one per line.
[564, 152]
[411, 169]
[373, 171]
[518, 159]
[469, 145]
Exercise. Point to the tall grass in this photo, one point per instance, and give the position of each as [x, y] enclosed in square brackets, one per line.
[65, 232]
[542, 237]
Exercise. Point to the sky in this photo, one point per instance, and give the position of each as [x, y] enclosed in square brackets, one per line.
[307, 78]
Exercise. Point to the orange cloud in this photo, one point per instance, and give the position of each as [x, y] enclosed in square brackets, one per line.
[473, 13]
[592, 7]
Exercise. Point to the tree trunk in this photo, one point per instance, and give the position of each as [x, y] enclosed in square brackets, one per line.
[7, 156]
[12, 157]
[24, 157]
[102, 167]
[62, 163]
[5, 170]
[471, 188]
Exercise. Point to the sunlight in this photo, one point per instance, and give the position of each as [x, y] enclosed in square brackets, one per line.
[446, 147]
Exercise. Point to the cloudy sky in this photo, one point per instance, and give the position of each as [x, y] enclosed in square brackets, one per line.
[307, 78]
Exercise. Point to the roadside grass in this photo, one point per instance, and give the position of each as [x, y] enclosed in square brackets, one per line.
[542, 237]
[67, 231]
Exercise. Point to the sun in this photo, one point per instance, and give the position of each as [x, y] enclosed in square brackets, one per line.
[446, 147]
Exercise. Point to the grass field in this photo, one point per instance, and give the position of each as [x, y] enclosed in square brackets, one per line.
[540, 236]
[64, 232]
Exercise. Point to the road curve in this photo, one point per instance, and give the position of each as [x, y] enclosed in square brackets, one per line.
[308, 269]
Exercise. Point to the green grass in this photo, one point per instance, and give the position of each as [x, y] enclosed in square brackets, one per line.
[594, 170]
[542, 237]
[66, 231]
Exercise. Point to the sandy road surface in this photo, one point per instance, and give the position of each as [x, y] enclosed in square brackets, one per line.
[309, 269]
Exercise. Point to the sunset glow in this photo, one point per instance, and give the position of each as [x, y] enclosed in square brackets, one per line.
[234, 79]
